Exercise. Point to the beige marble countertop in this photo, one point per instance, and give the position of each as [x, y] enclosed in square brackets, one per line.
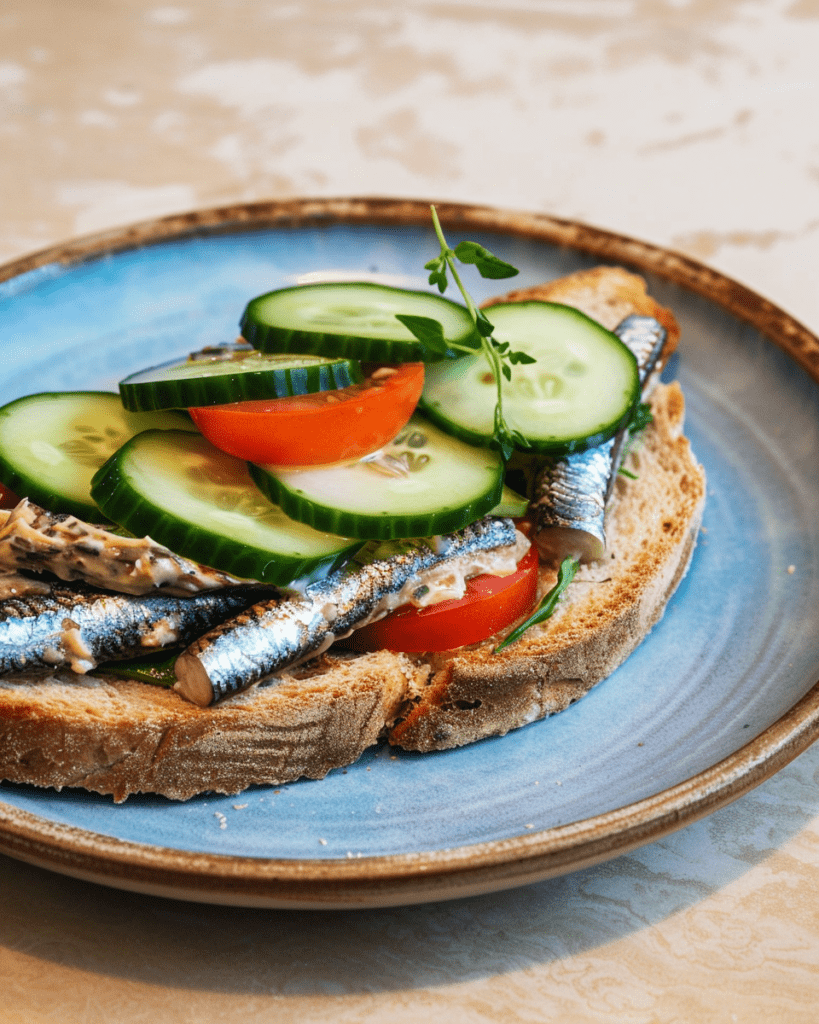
[693, 124]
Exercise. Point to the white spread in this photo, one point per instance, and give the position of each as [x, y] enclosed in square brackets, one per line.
[75, 650]
[162, 634]
[447, 581]
[33, 539]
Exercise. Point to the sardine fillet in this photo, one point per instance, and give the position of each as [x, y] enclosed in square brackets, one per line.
[79, 626]
[282, 632]
[34, 540]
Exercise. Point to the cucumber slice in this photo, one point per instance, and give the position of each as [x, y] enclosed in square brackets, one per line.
[233, 373]
[423, 483]
[201, 503]
[351, 318]
[580, 391]
[511, 504]
[51, 445]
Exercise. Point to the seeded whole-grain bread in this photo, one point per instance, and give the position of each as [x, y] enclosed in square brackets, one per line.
[120, 737]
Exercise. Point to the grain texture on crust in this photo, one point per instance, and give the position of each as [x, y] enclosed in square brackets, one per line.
[120, 737]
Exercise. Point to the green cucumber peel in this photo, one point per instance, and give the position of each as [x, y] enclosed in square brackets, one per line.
[222, 374]
[546, 608]
[498, 355]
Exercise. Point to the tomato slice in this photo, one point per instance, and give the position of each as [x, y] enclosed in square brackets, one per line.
[314, 430]
[8, 499]
[489, 604]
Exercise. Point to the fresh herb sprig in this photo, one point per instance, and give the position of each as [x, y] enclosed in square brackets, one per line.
[640, 419]
[545, 610]
[498, 354]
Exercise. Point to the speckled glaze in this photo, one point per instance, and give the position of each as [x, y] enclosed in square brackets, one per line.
[721, 695]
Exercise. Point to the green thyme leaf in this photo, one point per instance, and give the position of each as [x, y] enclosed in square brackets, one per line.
[519, 440]
[641, 418]
[505, 444]
[470, 252]
[428, 331]
[484, 324]
[488, 265]
[438, 272]
[438, 277]
[546, 608]
[520, 357]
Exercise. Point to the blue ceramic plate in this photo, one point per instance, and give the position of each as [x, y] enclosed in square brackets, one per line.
[718, 698]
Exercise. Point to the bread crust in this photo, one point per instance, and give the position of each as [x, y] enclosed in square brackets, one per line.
[120, 737]
[117, 736]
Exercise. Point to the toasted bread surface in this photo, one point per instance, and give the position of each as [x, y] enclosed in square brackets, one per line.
[120, 737]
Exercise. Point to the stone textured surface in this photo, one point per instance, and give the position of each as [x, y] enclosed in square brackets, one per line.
[689, 123]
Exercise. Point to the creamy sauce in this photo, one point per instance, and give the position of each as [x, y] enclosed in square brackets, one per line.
[163, 634]
[444, 582]
[74, 649]
[448, 580]
[33, 539]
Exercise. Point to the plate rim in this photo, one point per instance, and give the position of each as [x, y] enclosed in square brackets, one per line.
[408, 878]
[400, 879]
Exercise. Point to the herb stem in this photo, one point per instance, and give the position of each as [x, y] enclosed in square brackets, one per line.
[488, 349]
[545, 610]
[449, 256]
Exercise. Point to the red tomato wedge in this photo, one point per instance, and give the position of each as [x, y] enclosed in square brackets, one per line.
[319, 429]
[8, 499]
[489, 604]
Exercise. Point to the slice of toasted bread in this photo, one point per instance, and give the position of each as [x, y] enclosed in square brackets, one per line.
[120, 737]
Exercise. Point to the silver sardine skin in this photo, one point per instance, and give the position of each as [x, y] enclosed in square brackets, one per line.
[277, 634]
[645, 337]
[78, 627]
[570, 493]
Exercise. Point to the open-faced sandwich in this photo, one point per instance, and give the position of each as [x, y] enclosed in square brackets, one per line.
[262, 548]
